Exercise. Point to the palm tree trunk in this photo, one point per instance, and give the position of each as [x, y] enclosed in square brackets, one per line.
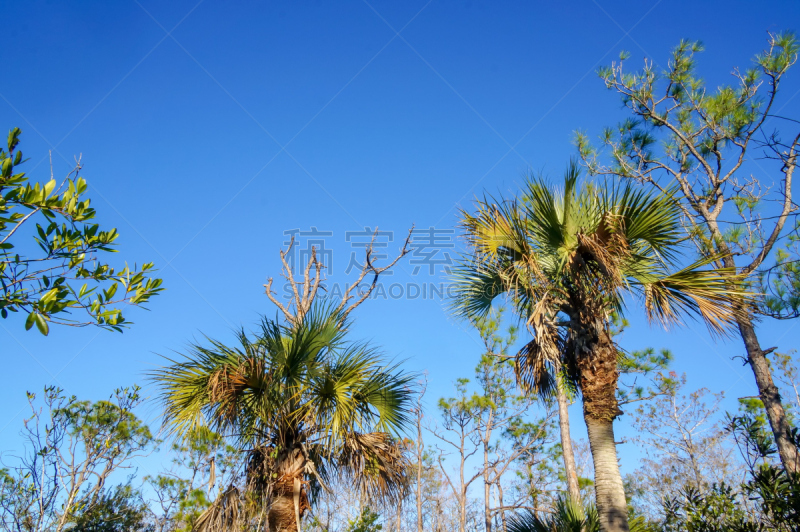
[770, 396]
[290, 500]
[597, 364]
[281, 517]
[612, 509]
[570, 468]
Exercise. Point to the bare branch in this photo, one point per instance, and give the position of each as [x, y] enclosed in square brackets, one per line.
[271, 296]
[370, 268]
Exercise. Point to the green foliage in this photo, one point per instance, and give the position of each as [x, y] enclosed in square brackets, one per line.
[541, 465]
[773, 494]
[201, 461]
[367, 521]
[119, 509]
[61, 277]
[681, 131]
[714, 510]
[305, 372]
[567, 516]
[710, 118]
[73, 448]
[780, 283]
[645, 363]
[493, 374]
[571, 516]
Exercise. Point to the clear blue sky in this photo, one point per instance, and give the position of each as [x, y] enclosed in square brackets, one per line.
[208, 129]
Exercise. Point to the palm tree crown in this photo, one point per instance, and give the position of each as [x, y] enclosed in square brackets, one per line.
[567, 259]
[305, 402]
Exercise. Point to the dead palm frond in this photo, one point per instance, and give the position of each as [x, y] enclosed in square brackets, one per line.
[223, 514]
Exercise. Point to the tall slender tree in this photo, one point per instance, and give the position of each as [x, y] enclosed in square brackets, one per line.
[494, 407]
[567, 258]
[567, 453]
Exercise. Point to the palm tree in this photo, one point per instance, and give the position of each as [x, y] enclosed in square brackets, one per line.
[304, 404]
[567, 258]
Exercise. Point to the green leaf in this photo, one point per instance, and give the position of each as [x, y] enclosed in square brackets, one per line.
[109, 293]
[13, 138]
[29, 322]
[49, 187]
[41, 324]
[8, 164]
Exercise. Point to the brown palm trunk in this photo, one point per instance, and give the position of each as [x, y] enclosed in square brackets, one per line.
[597, 364]
[290, 500]
[281, 517]
[570, 469]
[770, 396]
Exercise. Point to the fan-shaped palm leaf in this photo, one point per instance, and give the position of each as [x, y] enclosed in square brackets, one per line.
[567, 516]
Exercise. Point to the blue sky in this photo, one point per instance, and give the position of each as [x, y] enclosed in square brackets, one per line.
[209, 129]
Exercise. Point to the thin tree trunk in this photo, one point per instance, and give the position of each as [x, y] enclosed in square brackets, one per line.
[502, 506]
[420, 448]
[420, 453]
[462, 503]
[399, 516]
[487, 513]
[770, 396]
[612, 509]
[570, 469]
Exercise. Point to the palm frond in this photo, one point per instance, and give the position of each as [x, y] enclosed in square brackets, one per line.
[222, 515]
[538, 362]
[185, 385]
[358, 392]
[651, 223]
[296, 349]
[545, 221]
[475, 285]
[376, 464]
[535, 371]
[710, 294]
[567, 516]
